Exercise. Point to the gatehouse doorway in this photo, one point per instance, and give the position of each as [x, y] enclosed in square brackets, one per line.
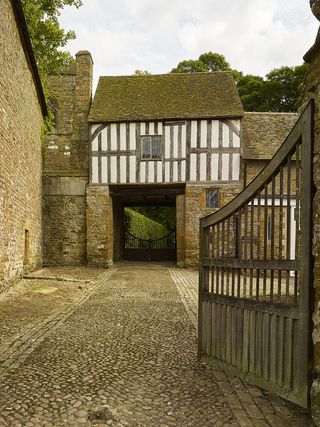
[147, 223]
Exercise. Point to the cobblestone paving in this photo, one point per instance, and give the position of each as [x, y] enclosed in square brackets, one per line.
[124, 354]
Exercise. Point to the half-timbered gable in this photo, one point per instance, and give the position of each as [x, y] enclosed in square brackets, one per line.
[192, 135]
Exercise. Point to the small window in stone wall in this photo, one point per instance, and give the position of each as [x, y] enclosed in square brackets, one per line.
[53, 106]
[212, 198]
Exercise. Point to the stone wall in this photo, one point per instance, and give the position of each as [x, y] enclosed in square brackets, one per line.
[195, 208]
[99, 226]
[311, 89]
[20, 156]
[66, 165]
[64, 208]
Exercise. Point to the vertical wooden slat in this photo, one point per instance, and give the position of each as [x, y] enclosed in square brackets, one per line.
[258, 340]
[222, 256]
[204, 327]
[213, 329]
[281, 349]
[223, 331]
[246, 340]
[252, 341]
[288, 213]
[266, 345]
[289, 344]
[258, 244]
[218, 331]
[273, 348]
[239, 339]
[229, 333]
[209, 331]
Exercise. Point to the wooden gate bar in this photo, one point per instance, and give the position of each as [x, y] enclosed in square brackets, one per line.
[255, 271]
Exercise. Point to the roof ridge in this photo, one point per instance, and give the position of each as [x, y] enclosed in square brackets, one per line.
[168, 74]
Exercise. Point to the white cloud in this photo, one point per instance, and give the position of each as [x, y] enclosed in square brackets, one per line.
[254, 35]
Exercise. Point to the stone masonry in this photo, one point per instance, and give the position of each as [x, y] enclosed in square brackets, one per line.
[99, 226]
[66, 166]
[195, 208]
[20, 155]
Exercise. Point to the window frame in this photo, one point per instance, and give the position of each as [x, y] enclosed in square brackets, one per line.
[150, 158]
[206, 198]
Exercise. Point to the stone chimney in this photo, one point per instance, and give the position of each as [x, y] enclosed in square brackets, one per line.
[82, 103]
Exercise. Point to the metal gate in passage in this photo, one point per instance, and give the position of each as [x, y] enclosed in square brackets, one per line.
[256, 274]
[137, 249]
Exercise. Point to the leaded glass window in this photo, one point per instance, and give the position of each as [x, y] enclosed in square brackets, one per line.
[151, 147]
[212, 198]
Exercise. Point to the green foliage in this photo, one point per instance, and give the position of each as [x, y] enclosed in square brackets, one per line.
[278, 92]
[142, 73]
[165, 215]
[47, 37]
[252, 92]
[214, 62]
[189, 66]
[143, 227]
[282, 88]
[206, 62]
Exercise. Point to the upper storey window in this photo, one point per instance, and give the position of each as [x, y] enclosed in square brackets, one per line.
[151, 147]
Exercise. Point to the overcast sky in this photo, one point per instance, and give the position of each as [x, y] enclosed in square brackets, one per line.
[255, 36]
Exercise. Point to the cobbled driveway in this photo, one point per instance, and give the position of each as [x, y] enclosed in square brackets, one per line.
[118, 347]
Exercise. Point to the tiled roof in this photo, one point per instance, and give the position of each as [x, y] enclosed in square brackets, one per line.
[165, 96]
[263, 133]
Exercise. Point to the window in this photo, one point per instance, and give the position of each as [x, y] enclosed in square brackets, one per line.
[53, 106]
[212, 198]
[151, 147]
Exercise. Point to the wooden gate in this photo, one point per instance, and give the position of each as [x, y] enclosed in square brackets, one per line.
[137, 249]
[256, 274]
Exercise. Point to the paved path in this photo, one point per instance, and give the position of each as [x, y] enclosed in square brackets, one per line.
[119, 351]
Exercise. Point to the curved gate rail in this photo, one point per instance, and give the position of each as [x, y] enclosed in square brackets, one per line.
[137, 249]
[255, 273]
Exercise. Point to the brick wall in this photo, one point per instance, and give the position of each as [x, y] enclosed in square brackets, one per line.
[66, 165]
[20, 156]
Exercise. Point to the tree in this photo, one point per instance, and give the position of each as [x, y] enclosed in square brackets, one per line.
[205, 63]
[282, 88]
[47, 37]
[252, 92]
[189, 66]
[142, 73]
[214, 62]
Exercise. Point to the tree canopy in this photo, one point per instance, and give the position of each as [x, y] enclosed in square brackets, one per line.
[142, 73]
[206, 62]
[47, 36]
[278, 91]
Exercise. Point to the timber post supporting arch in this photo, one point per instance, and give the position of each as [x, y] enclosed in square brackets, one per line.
[256, 274]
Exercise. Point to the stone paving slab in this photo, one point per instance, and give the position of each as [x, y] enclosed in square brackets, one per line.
[125, 355]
